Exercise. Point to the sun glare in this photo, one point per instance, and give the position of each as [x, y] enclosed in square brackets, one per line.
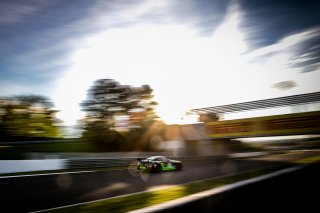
[186, 70]
[176, 62]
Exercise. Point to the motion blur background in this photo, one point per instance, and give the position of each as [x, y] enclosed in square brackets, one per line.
[96, 80]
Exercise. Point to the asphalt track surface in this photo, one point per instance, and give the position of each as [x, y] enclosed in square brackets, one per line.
[32, 193]
[293, 190]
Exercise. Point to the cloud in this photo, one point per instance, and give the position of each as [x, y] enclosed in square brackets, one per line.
[307, 54]
[50, 32]
[158, 43]
[177, 62]
[17, 11]
[303, 48]
[185, 69]
[285, 85]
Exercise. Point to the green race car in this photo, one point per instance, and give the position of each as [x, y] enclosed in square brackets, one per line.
[158, 164]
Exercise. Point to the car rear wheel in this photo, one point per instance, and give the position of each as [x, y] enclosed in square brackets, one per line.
[179, 167]
[157, 167]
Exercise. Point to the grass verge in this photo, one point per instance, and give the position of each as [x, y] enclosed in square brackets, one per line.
[310, 159]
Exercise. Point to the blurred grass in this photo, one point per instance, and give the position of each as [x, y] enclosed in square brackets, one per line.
[149, 198]
[311, 159]
[19, 151]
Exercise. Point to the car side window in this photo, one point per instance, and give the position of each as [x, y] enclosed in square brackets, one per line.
[164, 159]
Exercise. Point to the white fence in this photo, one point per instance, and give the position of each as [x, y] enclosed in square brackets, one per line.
[15, 166]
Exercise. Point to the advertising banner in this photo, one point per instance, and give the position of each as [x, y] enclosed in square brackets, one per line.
[288, 124]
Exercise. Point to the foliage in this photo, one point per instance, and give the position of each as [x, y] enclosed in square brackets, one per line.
[19, 151]
[27, 117]
[112, 108]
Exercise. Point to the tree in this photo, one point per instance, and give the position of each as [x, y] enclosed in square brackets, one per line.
[110, 105]
[27, 117]
[107, 100]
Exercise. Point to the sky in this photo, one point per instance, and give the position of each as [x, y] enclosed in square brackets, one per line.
[193, 53]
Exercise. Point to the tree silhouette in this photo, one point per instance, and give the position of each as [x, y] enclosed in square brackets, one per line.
[111, 106]
[27, 117]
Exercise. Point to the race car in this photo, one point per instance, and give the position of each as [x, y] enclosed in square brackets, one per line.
[158, 164]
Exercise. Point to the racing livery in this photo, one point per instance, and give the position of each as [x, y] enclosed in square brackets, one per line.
[158, 164]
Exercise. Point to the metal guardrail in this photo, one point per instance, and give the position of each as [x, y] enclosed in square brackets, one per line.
[132, 161]
[98, 163]
[16, 166]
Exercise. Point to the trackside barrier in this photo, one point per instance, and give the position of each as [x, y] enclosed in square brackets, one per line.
[16, 166]
[120, 162]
